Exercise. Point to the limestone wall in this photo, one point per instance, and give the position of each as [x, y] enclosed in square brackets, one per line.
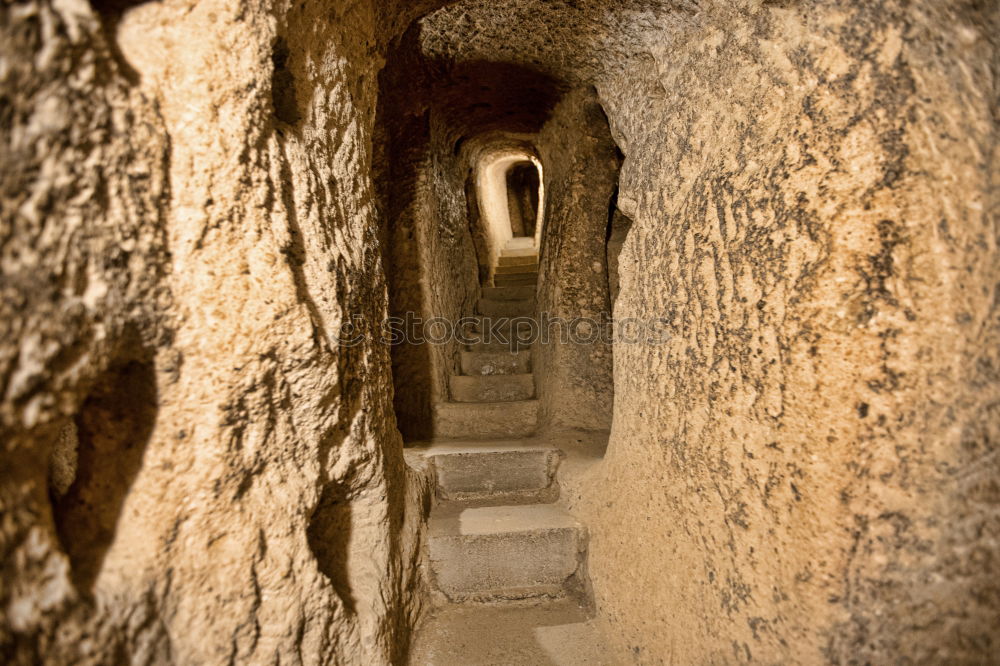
[807, 470]
[195, 468]
[573, 362]
[187, 222]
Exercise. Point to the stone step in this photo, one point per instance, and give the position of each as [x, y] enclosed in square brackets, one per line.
[523, 269]
[507, 293]
[492, 388]
[497, 347]
[527, 279]
[525, 260]
[485, 420]
[519, 252]
[519, 243]
[495, 363]
[499, 474]
[500, 330]
[496, 553]
[491, 308]
[559, 632]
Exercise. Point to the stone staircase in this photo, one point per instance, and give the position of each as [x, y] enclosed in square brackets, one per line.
[506, 562]
[494, 396]
[502, 546]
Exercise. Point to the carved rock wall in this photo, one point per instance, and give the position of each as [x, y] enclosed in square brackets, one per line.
[188, 221]
[573, 360]
[806, 471]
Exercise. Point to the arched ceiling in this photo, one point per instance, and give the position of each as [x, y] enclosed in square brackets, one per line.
[568, 40]
[479, 97]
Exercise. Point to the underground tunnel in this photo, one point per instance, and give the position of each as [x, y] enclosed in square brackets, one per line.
[455, 332]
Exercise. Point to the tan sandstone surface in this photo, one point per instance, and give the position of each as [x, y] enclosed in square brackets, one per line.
[210, 208]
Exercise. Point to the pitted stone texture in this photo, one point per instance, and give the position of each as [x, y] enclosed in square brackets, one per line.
[573, 41]
[187, 220]
[813, 442]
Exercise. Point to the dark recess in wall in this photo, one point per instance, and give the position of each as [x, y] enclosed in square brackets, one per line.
[286, 108]
[113, 428]
[522, 194]
[329, 537]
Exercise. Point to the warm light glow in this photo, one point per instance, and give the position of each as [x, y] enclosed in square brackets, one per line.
[491, 184]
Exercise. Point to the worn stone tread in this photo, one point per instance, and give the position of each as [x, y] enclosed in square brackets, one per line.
[551, 633]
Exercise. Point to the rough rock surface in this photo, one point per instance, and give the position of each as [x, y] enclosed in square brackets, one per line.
[809, 461]
[819, 436]
[195, 469]
[188, 220]
[573, 364]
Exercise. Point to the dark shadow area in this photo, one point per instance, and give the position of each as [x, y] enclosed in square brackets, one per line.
[619, 225]
[522, 198]
[477, 229]
[283, 97]
[402, 140]
[411, 362]
[110, 13]
[477, 97]
[113, 429]
[114, 7]
[329, 537]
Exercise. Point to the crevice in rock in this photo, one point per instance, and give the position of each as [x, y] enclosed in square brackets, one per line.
[283, 93]
[619, 226]
[329, 534]
[104, 445]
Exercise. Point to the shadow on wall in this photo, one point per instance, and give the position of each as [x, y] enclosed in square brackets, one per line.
[401, 143]
[619, 225]
[283, 94]
[329, 536]
[96, 461]
[412, 369]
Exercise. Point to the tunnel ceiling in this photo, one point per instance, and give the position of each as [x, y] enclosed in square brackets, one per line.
[488, 66]
[571, 40]
[478, 97]
[502, 66]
